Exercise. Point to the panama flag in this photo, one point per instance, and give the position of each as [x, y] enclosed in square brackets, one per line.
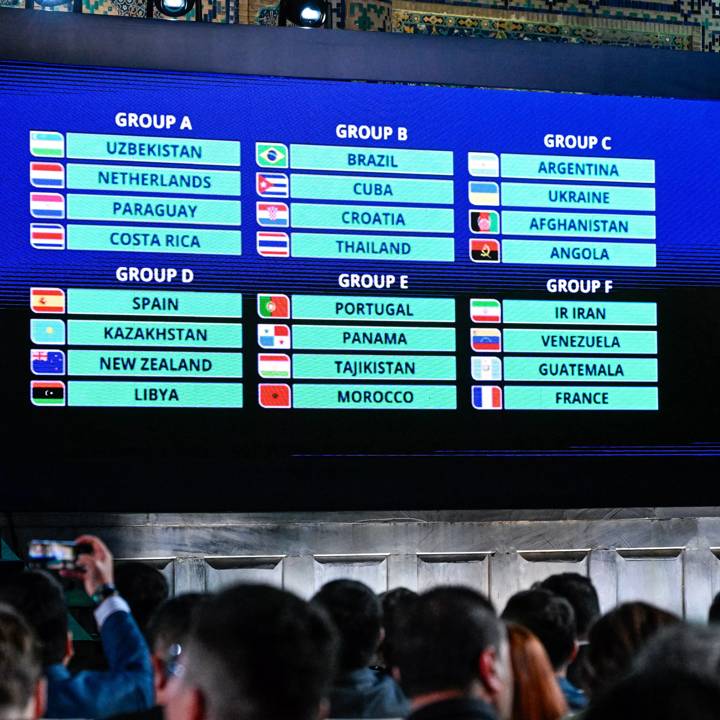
[273, 214]
[486, 368]
[47, 175]
[274, 337]
[487, 397]
[485, 340]
[274, 395]
[483, 193]
[273, 306]
[273, 244]
[47, 237]
[272, 184]
[47, 362]
[483, 164]
[485, 310]
[47, 300]
[45, 143]
[274, 365]
[47, 205]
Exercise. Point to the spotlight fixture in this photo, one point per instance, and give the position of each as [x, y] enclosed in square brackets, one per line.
[303, 13]
[174, 8]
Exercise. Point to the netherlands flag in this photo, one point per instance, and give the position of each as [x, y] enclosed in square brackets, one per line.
[45, 143]
[47, 237]
[273, 214]
[47, 175]
[47, 205]
[485, 340]
[487, 397]
[273, 244]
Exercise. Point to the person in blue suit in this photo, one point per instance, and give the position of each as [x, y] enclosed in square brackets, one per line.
[128, 683]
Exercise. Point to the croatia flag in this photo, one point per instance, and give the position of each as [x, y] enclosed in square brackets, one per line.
[273, 214]
[485, 340]
[47, 205]
[487, 397]
[47, 237]
[274, 337]
[45, 143]
[47, 175]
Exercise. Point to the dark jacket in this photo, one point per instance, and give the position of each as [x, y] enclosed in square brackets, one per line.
[126, 686]
[367, 693]
[463, 708]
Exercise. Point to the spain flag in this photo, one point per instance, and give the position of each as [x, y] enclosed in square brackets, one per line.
[47, 300]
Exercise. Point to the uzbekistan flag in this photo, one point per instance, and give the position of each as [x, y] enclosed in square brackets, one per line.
[47, 205]
[273, 214]
[47, 175]
[274, 365]
[47, 237]
[45, 143]
[485, 340]
[47, 300]
[487, 397]
[485, 310]
[274, 337]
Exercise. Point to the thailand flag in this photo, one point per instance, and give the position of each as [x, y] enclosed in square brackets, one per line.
[274, 337]
[47, 175]
[47, 205]
[47, 237]
[487, 397]
[273, 214]
[273, 244]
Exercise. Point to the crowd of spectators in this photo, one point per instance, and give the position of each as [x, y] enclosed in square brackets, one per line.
[254, 652]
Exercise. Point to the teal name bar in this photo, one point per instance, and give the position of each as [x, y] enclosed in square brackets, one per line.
[82, 301]
[142, 178]
[373, 247]
[124, 238]
[382, 338]
[154, 363]
[581, 169]
[569, 369]
[371, 189]
[371, 218]
[516, 222]
[600, 197]
[610, 342]
[374, 397]
[572, 312]
[158, 334]
[135, 208]
[91, 393]
[371, 160]
[518, 397]
[395, 309]
[124, 148]
[567, 252]
[373, 367]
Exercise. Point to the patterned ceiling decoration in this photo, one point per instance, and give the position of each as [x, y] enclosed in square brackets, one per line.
[671, 24]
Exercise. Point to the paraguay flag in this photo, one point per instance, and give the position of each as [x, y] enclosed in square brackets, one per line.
[273, 214]
[485, 340]
[273, 244]
[274, 337]
[45, 143]
[47, 175]
[47, 205]
[487, 397]
[274, 185]
[47, 237]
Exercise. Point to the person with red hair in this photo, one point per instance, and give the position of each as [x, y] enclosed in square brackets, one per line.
[537, 695]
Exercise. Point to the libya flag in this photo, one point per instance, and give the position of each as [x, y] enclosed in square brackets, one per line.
[273, 306]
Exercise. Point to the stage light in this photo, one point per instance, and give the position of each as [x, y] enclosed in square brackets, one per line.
[174, 8]
[303, 13]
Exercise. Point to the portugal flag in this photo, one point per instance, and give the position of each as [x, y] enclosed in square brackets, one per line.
[273, 306]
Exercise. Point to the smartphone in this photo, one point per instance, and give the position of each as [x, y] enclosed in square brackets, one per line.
[56, 554]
